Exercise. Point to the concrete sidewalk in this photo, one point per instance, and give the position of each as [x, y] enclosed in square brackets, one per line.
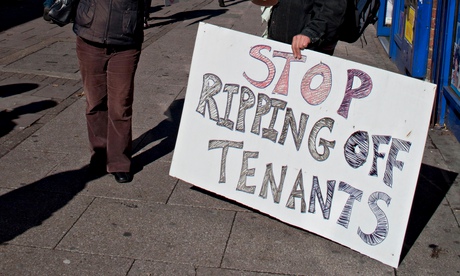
[55, 220]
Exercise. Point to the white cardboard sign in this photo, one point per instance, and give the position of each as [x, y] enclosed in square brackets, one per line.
[328, 145]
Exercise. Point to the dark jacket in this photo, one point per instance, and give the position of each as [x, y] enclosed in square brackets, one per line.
[110, 22]
[317, 19]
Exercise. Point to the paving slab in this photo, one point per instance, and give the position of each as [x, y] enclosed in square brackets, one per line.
[4, 51]
[21, 167]
[38, 219]
[64, 133]
[161, 268]
[211, 271]
[432, 156]
[18, 260]
[69, 173]
[171, 75]
[453, 198]
[446, 143]
[149, 185]
[155, 103]
[367, 50]
[66, 49]
[151, 232]
[437, 250]
[259, 243]
[189, 195]
[47, 62]
[58, 91]
[28, 35]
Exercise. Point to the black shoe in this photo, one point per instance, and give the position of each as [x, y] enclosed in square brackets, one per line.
[46, 15]
[221, 3]
[122, 177]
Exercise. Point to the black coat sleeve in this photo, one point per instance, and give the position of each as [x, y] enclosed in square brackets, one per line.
[326, 16]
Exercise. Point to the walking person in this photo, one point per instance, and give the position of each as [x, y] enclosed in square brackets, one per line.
[307, 24]
[108, 46]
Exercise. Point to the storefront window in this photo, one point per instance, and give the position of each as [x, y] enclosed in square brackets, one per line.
[455, 64]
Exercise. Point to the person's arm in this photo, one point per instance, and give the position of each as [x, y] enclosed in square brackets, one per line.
[328, 16]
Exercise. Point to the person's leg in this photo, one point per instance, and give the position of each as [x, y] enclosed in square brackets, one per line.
[92, 61]
[120, 84]
[147, 4]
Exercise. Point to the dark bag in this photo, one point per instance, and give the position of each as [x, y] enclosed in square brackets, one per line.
[359, 14]
[62, 12]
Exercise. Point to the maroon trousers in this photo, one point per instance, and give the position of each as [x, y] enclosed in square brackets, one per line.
[108, 79]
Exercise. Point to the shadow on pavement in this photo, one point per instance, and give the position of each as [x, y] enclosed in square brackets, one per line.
[166, 130]
[7, 117]
[234, 2]
[154, 9]
[17, 12]
[9, 90]
[432, 186]
[29, 206]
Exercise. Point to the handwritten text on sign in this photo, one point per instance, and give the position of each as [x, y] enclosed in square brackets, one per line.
[325, 144]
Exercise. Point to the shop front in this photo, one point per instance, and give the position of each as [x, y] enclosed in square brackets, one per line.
[422, 37]
[446, 65]
[410, 28]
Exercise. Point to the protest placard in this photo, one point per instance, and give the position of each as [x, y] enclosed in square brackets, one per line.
[325, 144]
